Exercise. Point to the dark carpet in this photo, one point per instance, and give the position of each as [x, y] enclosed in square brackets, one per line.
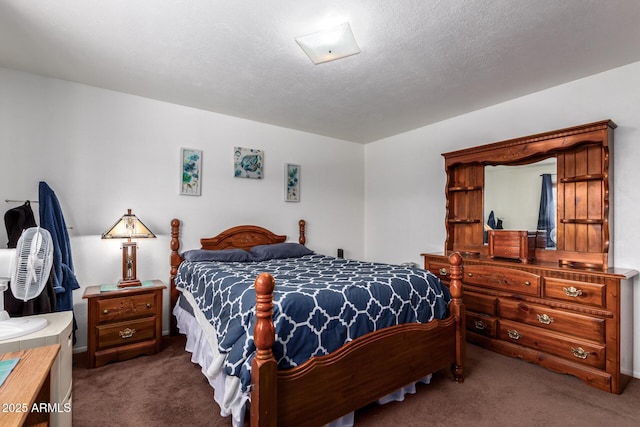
[166, 389]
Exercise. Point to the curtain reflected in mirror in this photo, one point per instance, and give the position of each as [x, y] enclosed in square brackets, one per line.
[547, 212]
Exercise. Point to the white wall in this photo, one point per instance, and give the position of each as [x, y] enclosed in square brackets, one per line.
[404, 184]
[103, 152]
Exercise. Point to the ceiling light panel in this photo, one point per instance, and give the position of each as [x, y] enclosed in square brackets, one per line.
[329, 45]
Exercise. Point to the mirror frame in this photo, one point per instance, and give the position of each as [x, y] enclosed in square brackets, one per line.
[584, 205]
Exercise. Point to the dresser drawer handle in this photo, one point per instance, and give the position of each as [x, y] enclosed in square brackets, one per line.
[443, 271]
[105, 311]
[527, 283]
[148, 305]
[513, 334]
[479, 324]
[545, 319]
[572, 292]
[470, 274]
[579, 353]
[127, 333]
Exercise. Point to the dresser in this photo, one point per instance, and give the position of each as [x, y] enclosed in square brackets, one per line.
[556, 300]
[572, 321]
[58, 331]
[123, 323]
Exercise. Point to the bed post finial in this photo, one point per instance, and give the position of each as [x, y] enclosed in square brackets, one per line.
[458, 310]
[263, 366]
[302, 239]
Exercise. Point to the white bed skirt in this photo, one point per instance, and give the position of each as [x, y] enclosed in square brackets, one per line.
[227, 392]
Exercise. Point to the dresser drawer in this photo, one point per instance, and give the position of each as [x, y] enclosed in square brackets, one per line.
[573, 324]
[126, 307]
[576, 292]
[482, 324]
[480, 303]
[440, 269]
[577, 350]
[124, 333]
[504, 279]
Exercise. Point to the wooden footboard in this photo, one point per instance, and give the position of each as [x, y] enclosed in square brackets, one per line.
[362, 371]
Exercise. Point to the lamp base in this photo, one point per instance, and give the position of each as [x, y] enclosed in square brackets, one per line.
[129, 283]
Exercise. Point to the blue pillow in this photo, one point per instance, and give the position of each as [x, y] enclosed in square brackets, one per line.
[279, 250]
[223, 255]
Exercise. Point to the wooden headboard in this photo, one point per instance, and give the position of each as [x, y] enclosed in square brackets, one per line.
[239, 237]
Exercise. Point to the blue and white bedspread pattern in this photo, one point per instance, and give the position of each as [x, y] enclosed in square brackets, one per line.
[320, 303]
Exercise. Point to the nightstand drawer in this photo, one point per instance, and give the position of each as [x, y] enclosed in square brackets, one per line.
[126, 307]
[124, 333]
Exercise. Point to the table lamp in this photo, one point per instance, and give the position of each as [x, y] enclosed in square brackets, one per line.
[128, 227]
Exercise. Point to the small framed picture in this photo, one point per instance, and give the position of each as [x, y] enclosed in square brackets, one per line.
[248, 163]
[292, 182]
[191, 180]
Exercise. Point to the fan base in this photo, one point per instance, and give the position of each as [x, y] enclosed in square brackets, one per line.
[19, 326]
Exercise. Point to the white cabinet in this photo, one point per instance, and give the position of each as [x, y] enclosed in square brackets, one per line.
[58, 331]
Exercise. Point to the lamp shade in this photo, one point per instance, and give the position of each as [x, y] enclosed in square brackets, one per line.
[128, 227]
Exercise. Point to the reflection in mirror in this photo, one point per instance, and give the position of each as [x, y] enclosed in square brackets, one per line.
[514, 195]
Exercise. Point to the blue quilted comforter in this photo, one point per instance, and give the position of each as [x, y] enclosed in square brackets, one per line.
[320, 303]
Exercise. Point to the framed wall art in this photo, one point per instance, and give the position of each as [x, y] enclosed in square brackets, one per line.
[292, 182]
[191, 181]
[248, 163]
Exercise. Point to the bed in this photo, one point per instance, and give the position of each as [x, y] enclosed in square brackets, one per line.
[326, 386]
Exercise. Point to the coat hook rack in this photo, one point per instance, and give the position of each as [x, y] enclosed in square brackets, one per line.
[25, 201]
[19, 201]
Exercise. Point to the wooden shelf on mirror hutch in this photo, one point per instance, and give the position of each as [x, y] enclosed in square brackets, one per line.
[564, 307]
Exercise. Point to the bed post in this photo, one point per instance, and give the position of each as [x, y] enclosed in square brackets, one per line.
[302, 239]
[175, 259]
[263, 367]
[458, 311]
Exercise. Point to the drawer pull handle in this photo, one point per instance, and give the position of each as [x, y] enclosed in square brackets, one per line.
[479, 324]
[527, 283]
[444, 271]
[470, 274]
[545, 319]
[513, 334]
[579, 353]
[572, 292]
[127, 333]
[105, 311]
[148, 305]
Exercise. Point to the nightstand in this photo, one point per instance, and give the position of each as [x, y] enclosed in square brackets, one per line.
[123, 323]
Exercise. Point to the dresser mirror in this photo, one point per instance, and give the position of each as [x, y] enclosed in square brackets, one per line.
[582, 211]
[513, 194]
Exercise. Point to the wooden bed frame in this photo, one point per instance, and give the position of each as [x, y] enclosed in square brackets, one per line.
[328, 387]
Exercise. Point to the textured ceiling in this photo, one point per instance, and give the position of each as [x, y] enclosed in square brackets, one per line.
[422, 61]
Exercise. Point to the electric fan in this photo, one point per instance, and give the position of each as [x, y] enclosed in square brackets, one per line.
[29, 266]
